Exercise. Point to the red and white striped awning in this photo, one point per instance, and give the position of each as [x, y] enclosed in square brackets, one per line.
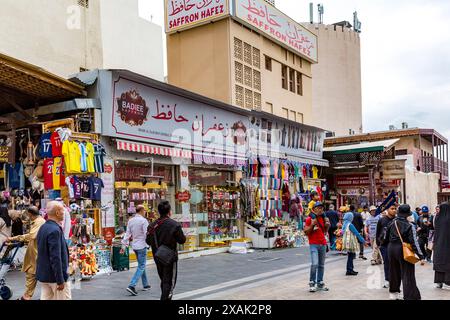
[153, 149]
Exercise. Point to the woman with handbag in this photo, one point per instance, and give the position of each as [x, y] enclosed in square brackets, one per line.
[403, 252]
[441, 246]
[351, 241]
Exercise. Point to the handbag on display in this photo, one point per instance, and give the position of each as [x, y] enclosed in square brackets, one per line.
[408, 252]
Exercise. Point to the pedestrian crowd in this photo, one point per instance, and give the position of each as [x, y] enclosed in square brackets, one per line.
[399, 238]
[46, 259]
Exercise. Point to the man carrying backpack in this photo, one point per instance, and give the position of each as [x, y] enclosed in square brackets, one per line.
[163, 236]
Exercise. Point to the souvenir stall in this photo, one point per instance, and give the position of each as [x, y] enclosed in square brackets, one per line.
[71, 163]
[215, 206]
[269, 187]
[134, 185]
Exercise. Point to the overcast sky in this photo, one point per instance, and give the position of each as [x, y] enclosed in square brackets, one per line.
[405, 47]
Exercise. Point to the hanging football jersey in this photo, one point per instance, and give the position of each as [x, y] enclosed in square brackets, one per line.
[83, 157]
[90, 153]
[72, 156]
[95, 188]
[45, 146]
[69, 183]
[56, 173]
[99, 153]
[56, 144]
[48, 174]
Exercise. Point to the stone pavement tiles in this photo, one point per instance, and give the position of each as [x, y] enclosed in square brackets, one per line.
[366, 286]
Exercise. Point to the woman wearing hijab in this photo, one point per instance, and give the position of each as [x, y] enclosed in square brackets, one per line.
[401, 271]
[5, 224]
[441, 247]
[350, 242]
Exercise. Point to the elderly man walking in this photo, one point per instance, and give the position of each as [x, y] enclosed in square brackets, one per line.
[53, 256]
[29, 262]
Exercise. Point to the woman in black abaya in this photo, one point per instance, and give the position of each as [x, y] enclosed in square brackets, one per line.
[441, 247]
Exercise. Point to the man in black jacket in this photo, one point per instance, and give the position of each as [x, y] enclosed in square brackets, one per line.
[382, 226]
[358, 222]
[168, 232]
[53, 256]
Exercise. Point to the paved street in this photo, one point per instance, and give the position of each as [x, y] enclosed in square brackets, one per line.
[269, 275]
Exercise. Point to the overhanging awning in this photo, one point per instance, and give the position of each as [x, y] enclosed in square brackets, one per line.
[153, 149]
[377, 146]
[314, 162]
[24, 86]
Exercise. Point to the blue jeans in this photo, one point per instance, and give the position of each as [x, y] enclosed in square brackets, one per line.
[141, 256]
[350, 257]
[318, 253]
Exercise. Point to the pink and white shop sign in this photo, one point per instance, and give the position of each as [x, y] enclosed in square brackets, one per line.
[274, 24]
[185, 14]
[144, 113]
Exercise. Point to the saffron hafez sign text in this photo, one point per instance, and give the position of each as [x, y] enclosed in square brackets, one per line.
[183, 14]
[276, 25]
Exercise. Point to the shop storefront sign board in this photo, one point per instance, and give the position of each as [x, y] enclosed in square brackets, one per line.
[143, 113]
[394, 169]
[272, 137]
[361, 181]
[277, 26]
[108, 220]
[186, 14]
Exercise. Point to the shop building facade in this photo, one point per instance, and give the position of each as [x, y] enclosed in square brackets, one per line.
[252, 56]
[168, 143]
[416, 167]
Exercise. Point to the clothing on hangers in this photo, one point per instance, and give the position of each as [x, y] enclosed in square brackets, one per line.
[56, 143]
[45, 146]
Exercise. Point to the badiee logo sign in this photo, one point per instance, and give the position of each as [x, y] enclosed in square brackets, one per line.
[132, 108]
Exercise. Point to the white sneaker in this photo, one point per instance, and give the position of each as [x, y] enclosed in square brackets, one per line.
[394, 296]
[386, 285]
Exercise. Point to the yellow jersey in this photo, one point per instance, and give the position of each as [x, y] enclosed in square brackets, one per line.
[72, 156]
[90, 157]
[57, 166]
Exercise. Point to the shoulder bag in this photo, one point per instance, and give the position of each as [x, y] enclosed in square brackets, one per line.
[408, 252]
[350, 242]
[164, 254]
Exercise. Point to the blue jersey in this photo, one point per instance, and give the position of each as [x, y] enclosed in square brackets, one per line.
[45, 146]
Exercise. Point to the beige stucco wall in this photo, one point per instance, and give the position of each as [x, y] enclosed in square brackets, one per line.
[272, 91]
[36, 31]
[198, 60]
[130, 42]
[337, 97]
[110, 35]
[421, 188]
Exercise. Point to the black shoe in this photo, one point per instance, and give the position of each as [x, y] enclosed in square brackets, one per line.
[146, 288]
[351, 273]
[440, 286]
[132, 290]
[362, 257]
